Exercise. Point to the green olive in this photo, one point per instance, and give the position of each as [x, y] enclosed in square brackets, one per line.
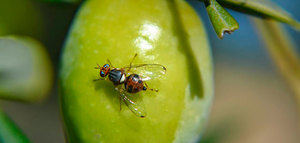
[26, 72]
[160, 32]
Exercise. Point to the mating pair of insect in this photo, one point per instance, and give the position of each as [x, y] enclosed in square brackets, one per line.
[133, 78]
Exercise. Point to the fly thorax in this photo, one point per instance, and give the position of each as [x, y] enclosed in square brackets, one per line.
[115, 76]
[122, 80]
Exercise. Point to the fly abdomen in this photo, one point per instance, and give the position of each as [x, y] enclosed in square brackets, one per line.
[134, 84]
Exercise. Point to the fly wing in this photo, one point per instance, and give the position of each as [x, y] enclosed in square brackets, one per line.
[147, 71]
[135, 108]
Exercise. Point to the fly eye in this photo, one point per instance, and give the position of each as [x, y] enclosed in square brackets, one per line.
[106, 66]
[102, 74]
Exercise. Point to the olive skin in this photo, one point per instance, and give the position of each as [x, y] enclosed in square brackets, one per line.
[166, 32]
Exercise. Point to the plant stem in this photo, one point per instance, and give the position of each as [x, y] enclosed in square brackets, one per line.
[282, 51]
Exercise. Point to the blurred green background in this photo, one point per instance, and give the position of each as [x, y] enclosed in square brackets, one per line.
[253, 104]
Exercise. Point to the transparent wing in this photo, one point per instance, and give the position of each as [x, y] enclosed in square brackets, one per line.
[135, 108]
[147, 71]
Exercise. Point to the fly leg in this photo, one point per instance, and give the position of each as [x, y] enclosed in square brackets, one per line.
[130, 65]
[98, 66]
[147, 88]
[108, 61]
[120, 90]
[98, 79]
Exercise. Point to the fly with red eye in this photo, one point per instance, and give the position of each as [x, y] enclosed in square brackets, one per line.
[104, 70]
[133, 77]
[115, 75]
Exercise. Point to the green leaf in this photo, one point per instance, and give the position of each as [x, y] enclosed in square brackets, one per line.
[221, 20]
[262, 8]
[9, 132]
[25, 69]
